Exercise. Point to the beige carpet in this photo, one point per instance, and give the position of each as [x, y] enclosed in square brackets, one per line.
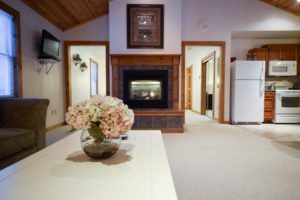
[286, 134]
[224, 162]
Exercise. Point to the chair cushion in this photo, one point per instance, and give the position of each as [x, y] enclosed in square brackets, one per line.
[14, 140]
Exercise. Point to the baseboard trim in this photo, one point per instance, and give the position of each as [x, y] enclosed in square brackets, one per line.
[49, 128]
[226, 122]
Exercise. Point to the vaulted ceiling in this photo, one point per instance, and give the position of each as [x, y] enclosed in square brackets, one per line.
[67, 14]
[291, 6]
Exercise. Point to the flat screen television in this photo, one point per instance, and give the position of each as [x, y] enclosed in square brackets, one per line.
[50, 46]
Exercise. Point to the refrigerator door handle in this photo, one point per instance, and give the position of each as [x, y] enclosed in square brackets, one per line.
[262, 87]
[262, 83]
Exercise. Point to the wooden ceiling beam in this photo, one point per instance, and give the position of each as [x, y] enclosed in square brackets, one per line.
[67, 14]
[291, 6]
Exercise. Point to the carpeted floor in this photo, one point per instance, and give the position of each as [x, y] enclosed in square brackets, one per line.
[57, 134]
[223, 162]
[286, 134]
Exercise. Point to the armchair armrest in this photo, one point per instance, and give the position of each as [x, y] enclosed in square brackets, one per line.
[25, 113]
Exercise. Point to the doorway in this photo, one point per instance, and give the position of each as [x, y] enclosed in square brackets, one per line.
[189, 75]
[204, 94]
[86, 70]
[208, 86]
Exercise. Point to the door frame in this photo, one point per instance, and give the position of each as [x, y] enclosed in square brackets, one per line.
[67, 45]
[191, 70]
[204, 61]
[220, 44]
[94, 62]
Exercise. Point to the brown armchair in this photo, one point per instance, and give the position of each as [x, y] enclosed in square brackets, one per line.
[22, 128]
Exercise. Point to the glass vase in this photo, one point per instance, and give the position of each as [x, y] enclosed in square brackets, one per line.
[97, 146]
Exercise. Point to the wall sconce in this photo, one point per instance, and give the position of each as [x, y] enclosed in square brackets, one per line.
[76, 59]
[83, 66]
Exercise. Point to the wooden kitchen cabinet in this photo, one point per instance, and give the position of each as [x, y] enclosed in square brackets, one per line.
[269, 106]
[276, 52]
[282, 51]
[298, 60]
[258, 54]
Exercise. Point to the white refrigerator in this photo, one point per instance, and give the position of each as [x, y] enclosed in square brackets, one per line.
[247, 91]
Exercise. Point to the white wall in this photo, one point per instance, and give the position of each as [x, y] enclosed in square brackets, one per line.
[36, 85]
[194, 56]
[224, 17]
[80, 81]
[240, 47]
[96, 29]
[118, 27]
[182, 22]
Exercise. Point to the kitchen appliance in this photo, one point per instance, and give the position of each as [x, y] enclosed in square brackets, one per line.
[287, 106]
[247, 91]
[282, 68]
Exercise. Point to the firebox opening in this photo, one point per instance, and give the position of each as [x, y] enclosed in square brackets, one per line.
[146, 88]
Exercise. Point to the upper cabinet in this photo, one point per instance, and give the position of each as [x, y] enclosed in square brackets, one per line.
[282, 51]
[276, 52]
[258, 54]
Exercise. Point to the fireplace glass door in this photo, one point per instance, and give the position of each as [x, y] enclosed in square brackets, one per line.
[142, 90]
[145, 88]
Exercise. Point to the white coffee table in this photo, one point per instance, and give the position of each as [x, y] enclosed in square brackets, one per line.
[138, 171]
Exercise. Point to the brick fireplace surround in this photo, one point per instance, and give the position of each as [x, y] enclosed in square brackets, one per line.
[168, 120]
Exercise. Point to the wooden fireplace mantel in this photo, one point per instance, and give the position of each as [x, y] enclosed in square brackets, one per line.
[136, 59]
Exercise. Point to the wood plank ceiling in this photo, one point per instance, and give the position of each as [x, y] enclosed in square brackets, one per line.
[67, 14]
[291, 6]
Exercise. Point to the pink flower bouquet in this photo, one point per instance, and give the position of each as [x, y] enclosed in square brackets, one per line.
[102, 116]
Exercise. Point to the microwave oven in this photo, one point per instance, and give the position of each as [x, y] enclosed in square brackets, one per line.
[282, 68]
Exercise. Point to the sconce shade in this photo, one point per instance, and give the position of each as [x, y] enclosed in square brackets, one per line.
[76, 58]
[83, 66]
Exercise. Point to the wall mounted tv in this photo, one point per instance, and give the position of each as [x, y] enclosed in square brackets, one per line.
[50, 46]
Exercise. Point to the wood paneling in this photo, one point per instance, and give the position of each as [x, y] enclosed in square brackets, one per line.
[67, 14]
[291, 6]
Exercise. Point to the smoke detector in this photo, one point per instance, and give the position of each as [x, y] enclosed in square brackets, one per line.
[204, 26]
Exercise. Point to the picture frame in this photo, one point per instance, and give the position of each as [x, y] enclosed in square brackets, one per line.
[145, 26]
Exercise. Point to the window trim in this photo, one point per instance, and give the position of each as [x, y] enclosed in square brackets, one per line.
[16, 15]
[94, 62]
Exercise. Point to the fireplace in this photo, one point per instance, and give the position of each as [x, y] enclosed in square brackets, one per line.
[145, 88]
[149, 84]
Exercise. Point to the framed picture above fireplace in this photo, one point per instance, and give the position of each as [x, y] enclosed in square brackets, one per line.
[145, 26]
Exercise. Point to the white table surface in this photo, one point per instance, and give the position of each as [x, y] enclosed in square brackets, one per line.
[138, 171]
